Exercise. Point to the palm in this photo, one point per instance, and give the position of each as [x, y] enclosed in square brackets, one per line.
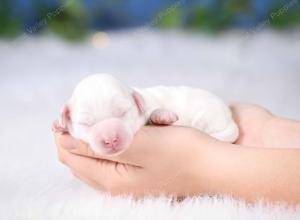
[251, 120]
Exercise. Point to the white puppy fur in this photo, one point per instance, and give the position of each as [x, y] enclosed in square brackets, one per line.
[194, 108]
[102, 105]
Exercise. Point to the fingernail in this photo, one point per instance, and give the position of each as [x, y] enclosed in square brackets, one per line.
[68, 142]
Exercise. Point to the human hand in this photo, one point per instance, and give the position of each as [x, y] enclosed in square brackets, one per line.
[160, 160]
[156, 161]
[252, 120]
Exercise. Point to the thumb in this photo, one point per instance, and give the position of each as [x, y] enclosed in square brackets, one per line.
[79, 147]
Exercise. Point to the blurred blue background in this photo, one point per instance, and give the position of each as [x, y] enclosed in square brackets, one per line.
[73, 19]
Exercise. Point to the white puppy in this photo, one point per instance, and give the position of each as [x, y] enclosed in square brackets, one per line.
[106, 113]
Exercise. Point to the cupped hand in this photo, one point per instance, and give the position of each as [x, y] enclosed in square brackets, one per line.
[252, 120]
[160, 160]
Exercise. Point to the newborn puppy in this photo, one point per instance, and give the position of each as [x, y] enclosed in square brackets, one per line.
[106, 113]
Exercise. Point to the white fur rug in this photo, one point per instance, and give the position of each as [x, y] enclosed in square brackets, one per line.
[38, 74]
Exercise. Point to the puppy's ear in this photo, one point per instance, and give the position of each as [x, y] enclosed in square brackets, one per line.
[61, 125]
[139, 101]
[65, 116]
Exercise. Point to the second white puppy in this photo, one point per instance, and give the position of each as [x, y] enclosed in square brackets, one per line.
[106, 113]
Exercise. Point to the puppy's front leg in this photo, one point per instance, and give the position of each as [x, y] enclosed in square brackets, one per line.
[163, 117]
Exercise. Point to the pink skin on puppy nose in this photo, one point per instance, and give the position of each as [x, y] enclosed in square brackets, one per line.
[111, 142]
[110, 136]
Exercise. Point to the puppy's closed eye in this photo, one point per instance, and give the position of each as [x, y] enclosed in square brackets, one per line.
[120, 108]
[119, 113]
[86, 124]
[86, 120]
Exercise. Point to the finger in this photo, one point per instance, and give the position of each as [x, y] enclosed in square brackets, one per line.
[79, 147]
[76, 146]
[87, 180]
[133, 155]
[107, 174]
[141, 150]
[132, 190]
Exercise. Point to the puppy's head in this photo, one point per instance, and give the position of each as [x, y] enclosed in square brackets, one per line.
[103, 112]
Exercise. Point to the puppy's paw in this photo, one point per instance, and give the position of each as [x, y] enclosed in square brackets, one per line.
[163, 117]
[57, 127]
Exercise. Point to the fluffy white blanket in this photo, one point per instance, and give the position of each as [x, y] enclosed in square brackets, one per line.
[38, 74]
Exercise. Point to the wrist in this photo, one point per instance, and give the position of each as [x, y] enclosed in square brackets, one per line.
[281, 132]
[207, 172]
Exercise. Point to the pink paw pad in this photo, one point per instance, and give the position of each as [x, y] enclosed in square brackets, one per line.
[163, 117]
